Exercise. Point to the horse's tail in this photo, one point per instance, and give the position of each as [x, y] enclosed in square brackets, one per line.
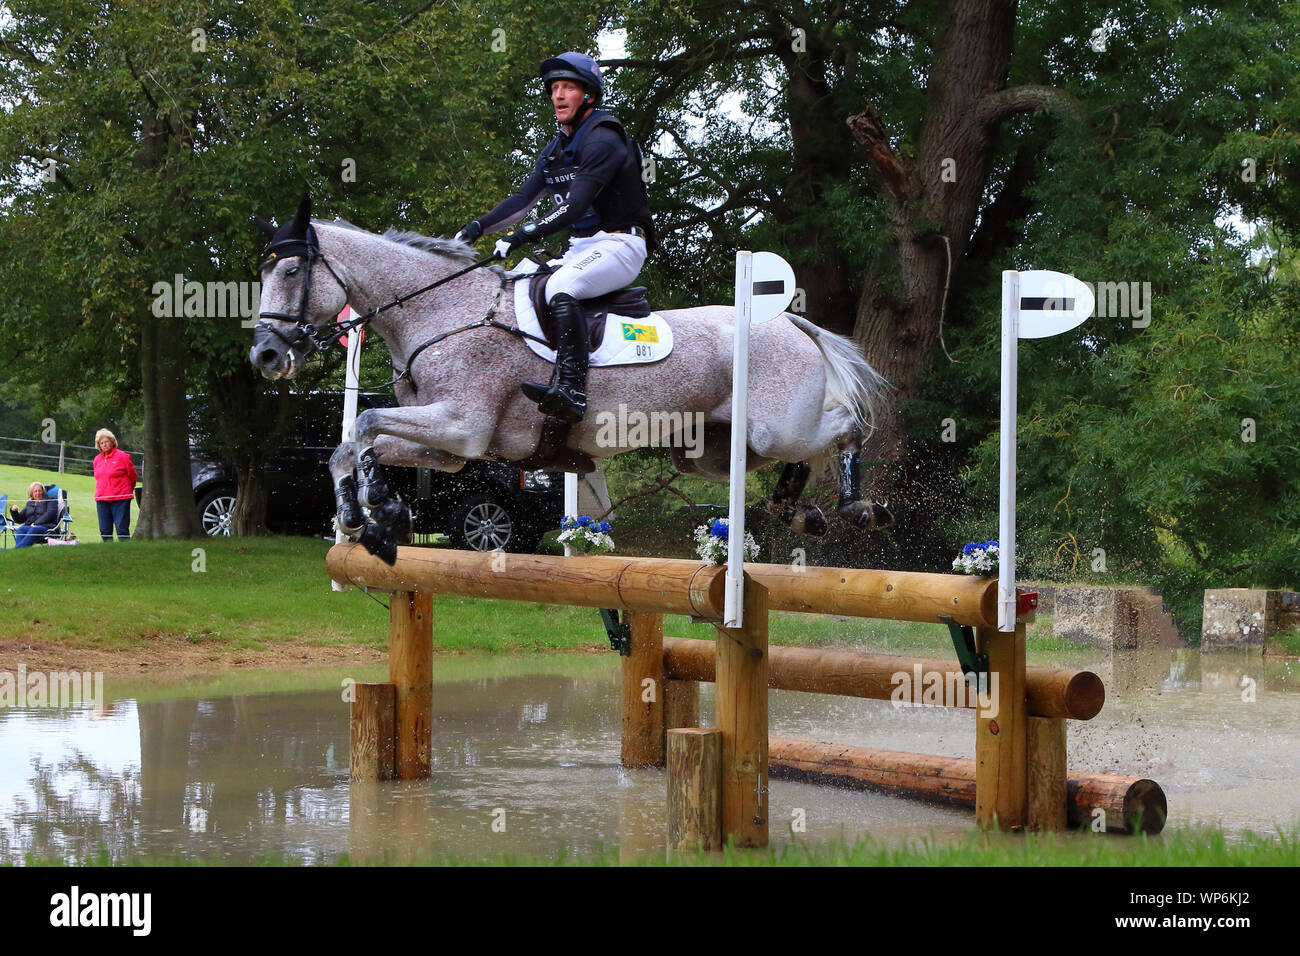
[850, 379]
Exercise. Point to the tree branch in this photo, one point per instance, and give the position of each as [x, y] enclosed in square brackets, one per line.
[995, 107]
[16, 50]
[868, 129]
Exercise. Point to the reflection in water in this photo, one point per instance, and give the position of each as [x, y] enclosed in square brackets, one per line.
[528, 766]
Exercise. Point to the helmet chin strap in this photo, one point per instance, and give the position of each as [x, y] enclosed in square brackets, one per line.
[584, 108]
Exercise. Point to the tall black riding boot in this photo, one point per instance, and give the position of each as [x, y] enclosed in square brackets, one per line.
[566, 397]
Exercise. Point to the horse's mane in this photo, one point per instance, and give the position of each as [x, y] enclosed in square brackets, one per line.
[449, 247]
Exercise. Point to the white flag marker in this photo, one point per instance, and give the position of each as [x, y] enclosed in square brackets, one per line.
[1035, 305]
[764, 287]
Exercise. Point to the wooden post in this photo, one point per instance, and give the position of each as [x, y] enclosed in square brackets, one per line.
[695, 789]
[1047, 774]
[410, 668]
[643, 692]
[370, 754]
[1000, 739]
[742, 665]
[681, 704]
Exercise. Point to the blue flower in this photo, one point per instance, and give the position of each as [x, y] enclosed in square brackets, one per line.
[604, 527]
[967, 549]
[990, 544]
[584, 521]
[718, 529]
[567, 523]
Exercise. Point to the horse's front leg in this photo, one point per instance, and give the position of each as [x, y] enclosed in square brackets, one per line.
[343, 465]
[414, 435]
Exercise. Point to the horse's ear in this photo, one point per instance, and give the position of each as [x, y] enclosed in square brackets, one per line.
[266, 227]
[302, 219]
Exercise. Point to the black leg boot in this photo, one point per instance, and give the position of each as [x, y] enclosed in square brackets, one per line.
[566, 397]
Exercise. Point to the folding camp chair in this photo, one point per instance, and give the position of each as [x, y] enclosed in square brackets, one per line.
[6, 530]
[62, 530]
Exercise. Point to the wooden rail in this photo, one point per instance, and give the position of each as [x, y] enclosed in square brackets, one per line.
[668, 585]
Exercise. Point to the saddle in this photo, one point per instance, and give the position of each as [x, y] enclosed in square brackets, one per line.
[630, 302]
[552, 452]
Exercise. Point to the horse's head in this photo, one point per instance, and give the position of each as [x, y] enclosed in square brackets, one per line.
[301, 295]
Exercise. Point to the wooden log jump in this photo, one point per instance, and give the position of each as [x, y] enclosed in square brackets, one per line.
[1050, 692]
[1017, 778]
[668, 585]
[1130, 804]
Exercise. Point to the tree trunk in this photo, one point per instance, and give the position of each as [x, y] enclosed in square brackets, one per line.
[821, 159]
[933, 200]
[167, 510]
[250, 501]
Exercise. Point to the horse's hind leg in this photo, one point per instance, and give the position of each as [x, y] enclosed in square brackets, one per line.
[866, 515]
[801, 519]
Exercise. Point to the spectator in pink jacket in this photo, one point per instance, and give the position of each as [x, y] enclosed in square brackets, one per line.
[115, 480]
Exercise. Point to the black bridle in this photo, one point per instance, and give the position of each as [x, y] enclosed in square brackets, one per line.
[308, 337]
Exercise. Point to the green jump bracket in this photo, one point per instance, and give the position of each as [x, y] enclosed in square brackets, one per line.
[620, 634]
[973, 663]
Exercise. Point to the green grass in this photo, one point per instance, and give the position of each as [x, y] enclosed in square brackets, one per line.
[253, 593]
[14, 482]
[1285, 642]
[1183, 847]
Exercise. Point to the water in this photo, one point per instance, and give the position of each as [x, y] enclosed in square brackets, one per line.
[526, 764]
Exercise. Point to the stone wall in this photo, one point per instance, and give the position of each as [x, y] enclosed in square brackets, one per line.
[1108, 618]
[1248, 618]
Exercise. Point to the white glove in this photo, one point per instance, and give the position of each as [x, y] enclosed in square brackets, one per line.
[502, 249]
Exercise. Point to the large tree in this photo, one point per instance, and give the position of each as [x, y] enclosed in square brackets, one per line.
[891, 149]
[161, 129]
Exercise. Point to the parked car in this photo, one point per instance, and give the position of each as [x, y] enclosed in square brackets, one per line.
[485, 506]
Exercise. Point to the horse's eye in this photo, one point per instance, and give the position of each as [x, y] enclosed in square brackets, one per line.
[292, 271]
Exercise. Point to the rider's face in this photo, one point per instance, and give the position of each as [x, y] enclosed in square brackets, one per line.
[566, 97]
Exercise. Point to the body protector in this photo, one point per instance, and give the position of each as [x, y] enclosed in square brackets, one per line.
[593, 188]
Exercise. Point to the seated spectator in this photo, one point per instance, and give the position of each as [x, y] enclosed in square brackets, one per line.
[38, 516]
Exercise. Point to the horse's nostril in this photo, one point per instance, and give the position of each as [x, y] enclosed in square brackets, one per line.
[268, 357]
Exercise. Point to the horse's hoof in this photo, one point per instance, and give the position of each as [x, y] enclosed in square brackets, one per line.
[804, 519]
[866, 515]
[376, 539]
[390, 514]
[350, 521]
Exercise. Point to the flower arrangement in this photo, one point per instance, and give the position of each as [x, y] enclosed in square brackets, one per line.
[711, 542]
[585, 535]
[977, 559]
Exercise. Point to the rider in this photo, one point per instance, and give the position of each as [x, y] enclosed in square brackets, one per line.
[593, 169]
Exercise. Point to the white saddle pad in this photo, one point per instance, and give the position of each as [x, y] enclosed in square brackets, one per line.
[627, 341]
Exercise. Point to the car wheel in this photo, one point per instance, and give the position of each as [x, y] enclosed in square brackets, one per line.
[216, 511]
[483, 523]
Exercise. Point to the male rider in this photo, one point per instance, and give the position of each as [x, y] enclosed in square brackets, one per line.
[593, 169]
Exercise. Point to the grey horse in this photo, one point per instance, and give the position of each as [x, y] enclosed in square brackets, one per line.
[459, 367]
